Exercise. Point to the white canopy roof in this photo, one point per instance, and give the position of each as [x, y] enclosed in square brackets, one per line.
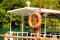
[27, 10]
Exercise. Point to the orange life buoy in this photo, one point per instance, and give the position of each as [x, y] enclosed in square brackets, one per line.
[38, 20]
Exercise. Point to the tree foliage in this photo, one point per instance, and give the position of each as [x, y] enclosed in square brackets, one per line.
[51, 4]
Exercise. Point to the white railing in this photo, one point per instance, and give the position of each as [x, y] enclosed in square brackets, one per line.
[17, 34]
[50, 35]
[31, 34]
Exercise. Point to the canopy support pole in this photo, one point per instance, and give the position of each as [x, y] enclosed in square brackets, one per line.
[10, 21]
[22, 18]
[45, 15]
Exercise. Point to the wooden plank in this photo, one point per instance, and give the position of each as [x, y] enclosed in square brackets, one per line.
[5, 38]
[18, 36]
[41, 38]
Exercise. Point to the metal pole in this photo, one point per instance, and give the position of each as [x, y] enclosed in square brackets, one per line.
[59, 31]
[10, 21]
[22, 17]
[10, 25]
[45, 26]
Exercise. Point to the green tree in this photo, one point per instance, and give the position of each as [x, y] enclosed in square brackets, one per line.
[4, 18]
[50, 4]
[35, 3]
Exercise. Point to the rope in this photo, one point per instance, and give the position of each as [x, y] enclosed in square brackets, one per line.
[39, 30]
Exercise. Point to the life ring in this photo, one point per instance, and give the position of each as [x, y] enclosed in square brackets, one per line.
[38, 18]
